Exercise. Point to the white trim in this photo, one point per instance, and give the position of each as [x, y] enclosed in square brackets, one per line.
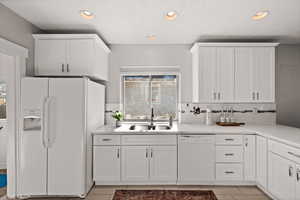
[233, 44]
[72, 36]
[150, 67]
[11, 49]
[19, 55]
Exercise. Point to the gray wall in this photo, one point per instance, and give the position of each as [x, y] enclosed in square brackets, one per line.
[17, 30]
[149, 55]
[288, 85]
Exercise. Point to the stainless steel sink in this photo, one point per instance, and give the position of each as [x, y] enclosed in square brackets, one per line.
[146, 127]
[162, 127]
[140, 127]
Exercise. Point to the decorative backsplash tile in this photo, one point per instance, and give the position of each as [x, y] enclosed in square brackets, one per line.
[263, 114]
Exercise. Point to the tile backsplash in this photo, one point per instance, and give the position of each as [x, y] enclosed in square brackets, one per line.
[262, 114]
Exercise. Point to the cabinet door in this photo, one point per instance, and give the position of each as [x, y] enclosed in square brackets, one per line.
[135, 163]
[244, 74]
[281, 177]
[107, 163]
[196, 158]
[298, 182]
[50, 57]
[261, 161]
[249, 158]
[207, 74]
[225, 74]
[264, 73]
[80, 56]
[163, 163]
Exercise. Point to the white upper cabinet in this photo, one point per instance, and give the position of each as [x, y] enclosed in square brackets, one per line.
[71, 55]
[233, 72]
[255, 74]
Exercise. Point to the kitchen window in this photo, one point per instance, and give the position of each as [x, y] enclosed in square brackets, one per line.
[2, 101]
[143, 92]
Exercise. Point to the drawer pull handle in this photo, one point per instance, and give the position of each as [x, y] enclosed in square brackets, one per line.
[293, 154]
[298, 175]
[229, 139]
[229, 154]
[229, 172]
[186, 136]
[290, 171]
[106, 140]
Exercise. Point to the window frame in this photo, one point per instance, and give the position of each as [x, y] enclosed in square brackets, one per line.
[122, 89]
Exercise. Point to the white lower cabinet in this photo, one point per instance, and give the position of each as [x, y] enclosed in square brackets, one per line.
[135, 163]
[149, 163]
[107, 163]
[261, 161]
[281, 177]
[249, 157]
[229, 172]
[283, 171]
[163, 163]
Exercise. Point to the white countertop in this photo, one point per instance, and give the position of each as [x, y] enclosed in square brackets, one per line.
[285, 134]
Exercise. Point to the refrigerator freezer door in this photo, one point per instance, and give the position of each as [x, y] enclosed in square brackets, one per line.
[33, 154]
[66, 158]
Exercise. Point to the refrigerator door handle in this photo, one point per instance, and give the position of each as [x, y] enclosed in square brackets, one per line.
[45, 123]
[51, 122]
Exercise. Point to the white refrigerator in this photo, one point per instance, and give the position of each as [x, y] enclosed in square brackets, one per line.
[55, 143]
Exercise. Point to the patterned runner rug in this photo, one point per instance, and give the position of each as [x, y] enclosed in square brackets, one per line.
[164, 195]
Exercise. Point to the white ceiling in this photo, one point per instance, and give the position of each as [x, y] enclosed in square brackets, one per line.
[130, 21]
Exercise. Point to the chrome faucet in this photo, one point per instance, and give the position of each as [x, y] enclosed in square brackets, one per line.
[170, 121]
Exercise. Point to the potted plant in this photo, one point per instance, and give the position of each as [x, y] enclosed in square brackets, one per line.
[118, 116]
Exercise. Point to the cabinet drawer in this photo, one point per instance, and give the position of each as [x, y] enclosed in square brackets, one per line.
[229, 140]
[229, 172]
[149, 140]
[107, 140]
[229, 154]
[284, 150]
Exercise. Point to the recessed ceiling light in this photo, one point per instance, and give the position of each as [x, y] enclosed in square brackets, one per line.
[171, 15]
[260, 15]
[151, 37]
[86, 14]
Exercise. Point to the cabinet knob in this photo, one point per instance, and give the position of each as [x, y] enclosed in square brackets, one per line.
[298, 175]
[63, 67]
[68, 70]
[219, 96]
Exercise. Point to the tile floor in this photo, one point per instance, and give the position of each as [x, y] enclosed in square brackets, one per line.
[222, 192]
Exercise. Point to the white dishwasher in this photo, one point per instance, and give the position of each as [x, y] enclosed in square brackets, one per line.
[196, 159]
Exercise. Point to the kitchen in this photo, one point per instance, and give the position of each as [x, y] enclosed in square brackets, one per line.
[240, 72]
